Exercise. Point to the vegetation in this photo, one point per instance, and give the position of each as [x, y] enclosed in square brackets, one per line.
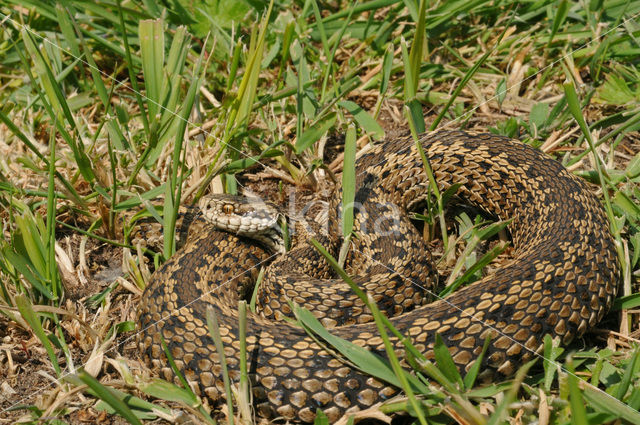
[114, 107]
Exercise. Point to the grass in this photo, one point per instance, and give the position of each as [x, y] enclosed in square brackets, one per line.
[97, 98]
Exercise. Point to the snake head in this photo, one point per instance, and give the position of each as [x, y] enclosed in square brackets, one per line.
[246, 216]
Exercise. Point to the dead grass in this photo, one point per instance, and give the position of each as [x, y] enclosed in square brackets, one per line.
[88, 266]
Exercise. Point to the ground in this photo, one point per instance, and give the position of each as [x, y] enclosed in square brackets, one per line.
[114, 153]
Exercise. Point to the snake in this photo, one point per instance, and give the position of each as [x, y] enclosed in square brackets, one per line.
[561, 280]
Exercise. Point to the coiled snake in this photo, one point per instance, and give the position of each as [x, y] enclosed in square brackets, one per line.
[561, 281]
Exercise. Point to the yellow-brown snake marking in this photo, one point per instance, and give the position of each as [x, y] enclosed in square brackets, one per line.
[561, 281]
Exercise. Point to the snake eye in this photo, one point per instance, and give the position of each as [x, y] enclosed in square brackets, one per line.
[228, 209]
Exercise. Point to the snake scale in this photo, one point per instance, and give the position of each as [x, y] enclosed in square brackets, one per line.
[561, 281]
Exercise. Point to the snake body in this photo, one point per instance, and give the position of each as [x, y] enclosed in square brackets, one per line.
[561, 281]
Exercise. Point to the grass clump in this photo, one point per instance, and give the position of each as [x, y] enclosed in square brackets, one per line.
[108, 109]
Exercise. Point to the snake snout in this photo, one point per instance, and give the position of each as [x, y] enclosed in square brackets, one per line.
[239, 214]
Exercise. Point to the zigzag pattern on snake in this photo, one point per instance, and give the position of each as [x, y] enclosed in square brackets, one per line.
[561, 281]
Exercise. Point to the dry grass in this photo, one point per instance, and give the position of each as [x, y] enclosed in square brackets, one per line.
[100, 281]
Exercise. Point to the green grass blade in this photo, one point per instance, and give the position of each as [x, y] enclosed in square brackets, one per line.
[416, 52]
[551, 352]
[175, 185]
[349, 181]
[445, 362]
[67, 29]
[24, 139]
[314, 132]
[626, 303]
[465, 79]
[46, 77]
[433, 188]
[320, 24]
[164, 390]
[115, 130]
[603, 402]
[321, 418]
[175, 369]
[55, 102]
[336, 44]
[256, 287]
[33, 244]
[130, 68]
[497, 416]
[235, 61]
[214, 331]
[151, 33]
[364, 120]
[362, 7]
[26, 310]
[171, 392]
[244, 390]
[52, 267]
[108, 397]
[247, 88]
[471, 376]
[364, 359]
[413, 108]
[26, 269]
[142, 409]
[471, 271]
[578, 410]
[560, 16]
[574, 106]
[629, 372]
[395, 362]
[387, 65]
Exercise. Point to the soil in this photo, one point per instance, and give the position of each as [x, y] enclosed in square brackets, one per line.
[25, 369]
